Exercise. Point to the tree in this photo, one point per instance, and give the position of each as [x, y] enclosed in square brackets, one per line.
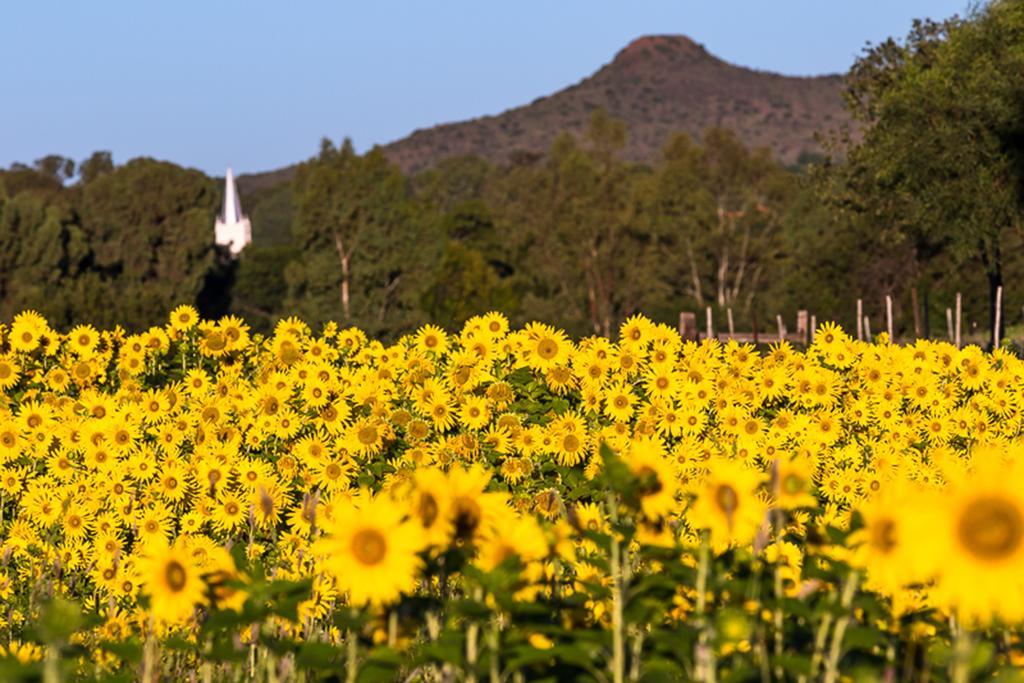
[940, 163]
[96, 165]
[717, 210]
[55, 166]
[148, 225]
[366, 252]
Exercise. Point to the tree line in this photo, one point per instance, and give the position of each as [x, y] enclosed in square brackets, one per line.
[925, 194]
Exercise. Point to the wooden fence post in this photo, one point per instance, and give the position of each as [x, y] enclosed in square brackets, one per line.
[728, 319]
[888, 316]
[996, 333]
[927, 318]
[860, 320]
[782, 327]
[688, 326]
[801, 326]
[956, 324]
[867, 329]
[814, 327]
[917, 313]
[711, 329]
[949, 324]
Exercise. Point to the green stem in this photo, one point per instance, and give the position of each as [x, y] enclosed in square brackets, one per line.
[494, 643]
[636, 653]
[472, 646]
[618, 634]
[51, 669]
[836, 647]
[392, 627]
[819, 644]
[704, 660]
[961, 654]
[149, 657]
[351, 664]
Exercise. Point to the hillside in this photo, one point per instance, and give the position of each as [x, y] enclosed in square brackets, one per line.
[658, 85]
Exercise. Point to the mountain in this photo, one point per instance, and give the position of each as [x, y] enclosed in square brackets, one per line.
[658, 85]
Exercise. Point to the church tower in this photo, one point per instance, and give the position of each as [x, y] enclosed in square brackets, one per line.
[232, 229]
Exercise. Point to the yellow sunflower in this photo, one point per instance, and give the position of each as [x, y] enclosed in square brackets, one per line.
[172, 581]
[371, 551]
[978, 543]
[727, 503]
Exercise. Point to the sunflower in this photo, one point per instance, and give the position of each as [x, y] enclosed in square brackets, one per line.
[441, 414]
[27, 331]
[172, 582]
[430, 506]
[727, 503]
[183, 318]
[474, 413]
[212, 340]
[229, 513]
[570, 446]
[371, 551]
[648, 461]
[513, 536]
[978, 543]
[333, 473]
[618, 402]
[793, 482]
[885, 546]
[83, 339]
[546, 347]
[431, 338]
[10, 371]
[473, 511]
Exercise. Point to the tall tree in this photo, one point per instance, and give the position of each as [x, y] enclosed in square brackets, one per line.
[941, 161]
[148, 226]
[365, 256]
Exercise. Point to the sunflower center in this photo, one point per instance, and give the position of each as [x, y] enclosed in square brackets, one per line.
[369, 546]
[215, 341]
[883, 536]
[368, 435]
[792, 484]
[991, 528]
[727, 499]
[467, 517]
[570, 443]
[547, 349]
[650, 483]
[175, 576]
[428, 509]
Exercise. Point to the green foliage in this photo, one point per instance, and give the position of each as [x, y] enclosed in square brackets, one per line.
[365, 253]
[938, 172]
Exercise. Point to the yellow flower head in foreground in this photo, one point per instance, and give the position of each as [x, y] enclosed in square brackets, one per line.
[979, 543]
[430, 506]
[727, 503]
[172, 580]
[658, 482]
[895, 522]
[371, 551]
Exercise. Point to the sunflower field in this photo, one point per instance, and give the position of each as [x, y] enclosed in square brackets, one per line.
[197, 503]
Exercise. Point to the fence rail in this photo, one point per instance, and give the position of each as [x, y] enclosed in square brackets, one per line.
[806, 325]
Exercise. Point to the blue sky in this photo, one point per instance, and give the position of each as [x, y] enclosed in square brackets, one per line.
[256, 84]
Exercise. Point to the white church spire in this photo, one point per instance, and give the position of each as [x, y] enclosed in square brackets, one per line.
[232, 228]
